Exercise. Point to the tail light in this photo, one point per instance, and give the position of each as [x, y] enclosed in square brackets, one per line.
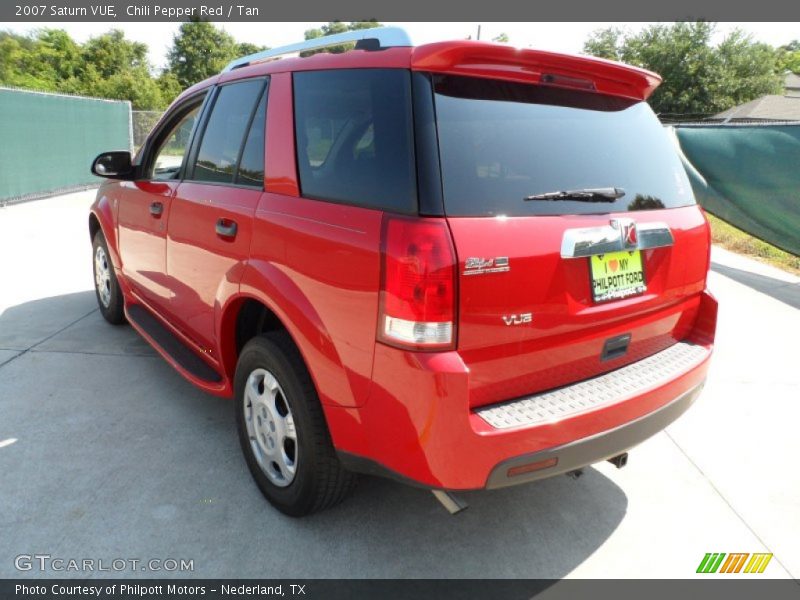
[418, 281]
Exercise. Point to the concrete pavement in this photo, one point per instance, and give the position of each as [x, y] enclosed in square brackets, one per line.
[117, 456]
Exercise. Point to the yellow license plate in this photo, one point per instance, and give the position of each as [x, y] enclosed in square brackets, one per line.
[617, 275]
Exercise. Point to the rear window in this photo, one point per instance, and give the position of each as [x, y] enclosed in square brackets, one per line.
[501, 142]
[355, 137]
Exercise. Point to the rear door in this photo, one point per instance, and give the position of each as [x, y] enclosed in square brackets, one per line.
[556, 287]
[211, 220]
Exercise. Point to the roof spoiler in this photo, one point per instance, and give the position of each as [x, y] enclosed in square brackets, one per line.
[381, 37]
[482, 59]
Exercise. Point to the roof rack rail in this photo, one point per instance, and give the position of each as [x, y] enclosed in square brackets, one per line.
[387, 37]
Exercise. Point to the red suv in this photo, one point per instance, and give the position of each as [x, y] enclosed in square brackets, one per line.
[461, 265]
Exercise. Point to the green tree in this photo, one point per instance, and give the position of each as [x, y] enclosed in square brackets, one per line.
[117, 68]
[789, 57]
[40, 61]
[9, 53]
[111, 53]
[107, 66]
[748, 70]
[200, 50]
[169, 85]
[135, 85]
[682, 54]
[57, 53]
[245, 48]
[334, 27]
[604, 43]
[15, 64]
[699, 78]
[111, 66]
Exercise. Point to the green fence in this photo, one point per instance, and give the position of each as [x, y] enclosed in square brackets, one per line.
[749, 176]
[48, 141]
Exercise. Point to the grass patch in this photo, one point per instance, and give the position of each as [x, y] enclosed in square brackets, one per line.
[736, 240]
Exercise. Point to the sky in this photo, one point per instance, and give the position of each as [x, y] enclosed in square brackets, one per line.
[557, 37]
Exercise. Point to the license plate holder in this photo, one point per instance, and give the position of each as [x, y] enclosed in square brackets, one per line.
[616, 275]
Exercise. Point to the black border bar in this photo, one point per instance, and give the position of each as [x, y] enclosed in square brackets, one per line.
[742, 587]
[405, 10]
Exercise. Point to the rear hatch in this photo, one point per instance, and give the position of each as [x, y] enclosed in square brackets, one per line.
[540, 182]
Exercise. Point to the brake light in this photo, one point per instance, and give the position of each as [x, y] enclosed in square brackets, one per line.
[417, 297]
[565, 81]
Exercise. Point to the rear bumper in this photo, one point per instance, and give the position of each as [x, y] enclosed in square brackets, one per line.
[593, 449]
[417, 425]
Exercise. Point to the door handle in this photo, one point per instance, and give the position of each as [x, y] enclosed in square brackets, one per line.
[226, 228]
[156, 208]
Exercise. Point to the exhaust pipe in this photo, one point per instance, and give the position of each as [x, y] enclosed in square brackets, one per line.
[620, 460]
[453, 504]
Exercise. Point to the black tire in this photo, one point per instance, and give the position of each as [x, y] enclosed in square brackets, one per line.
[319, 481]
[113, 310]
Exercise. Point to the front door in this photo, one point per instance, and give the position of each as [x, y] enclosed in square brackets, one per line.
[145, 204]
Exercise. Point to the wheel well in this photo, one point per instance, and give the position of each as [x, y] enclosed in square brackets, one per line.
[252, 318]
[94, 226]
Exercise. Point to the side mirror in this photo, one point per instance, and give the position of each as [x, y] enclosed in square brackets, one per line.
[115, 165]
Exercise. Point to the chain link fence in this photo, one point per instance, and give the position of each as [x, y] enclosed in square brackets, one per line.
[681, 118]
[694, 120]
[143, 122]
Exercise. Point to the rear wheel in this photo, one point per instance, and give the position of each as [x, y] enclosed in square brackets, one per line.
[282, 429]
[106, 287]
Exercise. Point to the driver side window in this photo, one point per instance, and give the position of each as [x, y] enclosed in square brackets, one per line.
[168, 158]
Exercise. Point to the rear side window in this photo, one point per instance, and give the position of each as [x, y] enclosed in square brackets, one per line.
[501, 142]
[355, 137]
[224, 136]
[251, 166]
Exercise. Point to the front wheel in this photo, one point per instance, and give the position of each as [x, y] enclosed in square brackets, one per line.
[282, 429]
[106, 287]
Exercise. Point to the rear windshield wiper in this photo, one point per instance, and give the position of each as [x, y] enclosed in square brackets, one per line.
[585, 195]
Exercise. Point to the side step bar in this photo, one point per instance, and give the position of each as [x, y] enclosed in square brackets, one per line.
[172, 345]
